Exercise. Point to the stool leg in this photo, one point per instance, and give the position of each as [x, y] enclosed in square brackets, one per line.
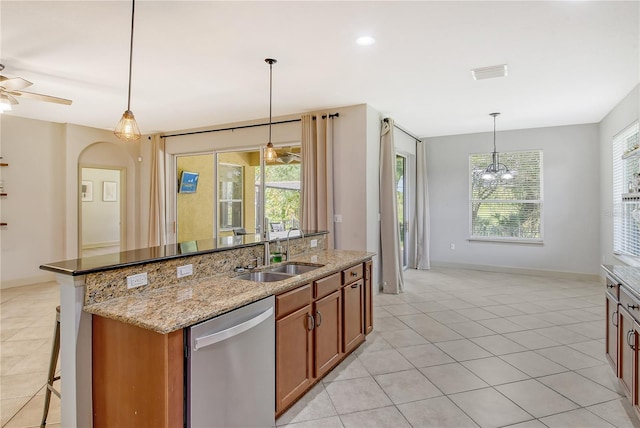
[52, 371]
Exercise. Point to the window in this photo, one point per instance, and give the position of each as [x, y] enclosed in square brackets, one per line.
[507, 210]
[626, 192]
[230, 196]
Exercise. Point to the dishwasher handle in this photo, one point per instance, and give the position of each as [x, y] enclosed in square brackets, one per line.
[205, 341]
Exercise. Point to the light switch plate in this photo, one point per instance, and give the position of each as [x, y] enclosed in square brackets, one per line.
[185, 270]
[138, 280]
[313, 243]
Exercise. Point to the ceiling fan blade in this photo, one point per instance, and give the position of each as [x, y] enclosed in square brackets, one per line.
[14, 84]
[11, 99]
[40, 97]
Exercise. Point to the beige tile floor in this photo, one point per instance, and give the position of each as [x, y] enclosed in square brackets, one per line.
[464, 348]
[459, 348]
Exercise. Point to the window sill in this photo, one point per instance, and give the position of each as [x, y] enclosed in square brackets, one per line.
[507, 241]
[628, 260]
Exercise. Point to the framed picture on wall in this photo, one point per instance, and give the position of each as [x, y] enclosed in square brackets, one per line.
[86, 189]
[188, 182]
[109, 191]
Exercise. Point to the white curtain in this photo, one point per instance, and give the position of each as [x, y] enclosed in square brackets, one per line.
[423, 232]
[317, 175]
[390, 257]
[157, 220]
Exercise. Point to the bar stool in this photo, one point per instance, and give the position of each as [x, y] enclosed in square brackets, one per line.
[52, 369]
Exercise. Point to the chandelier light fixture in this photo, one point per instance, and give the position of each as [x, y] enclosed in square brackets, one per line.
[496, 170]
[270, 154]
[127, 129]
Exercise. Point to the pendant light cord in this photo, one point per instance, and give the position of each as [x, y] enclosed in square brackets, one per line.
[133, 11]
[494, 133]
[270, 94]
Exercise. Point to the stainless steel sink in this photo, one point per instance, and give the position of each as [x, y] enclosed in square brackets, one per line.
[264, 276]
[293, 269]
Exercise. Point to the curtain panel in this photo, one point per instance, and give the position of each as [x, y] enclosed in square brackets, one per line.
[390, 257]
[423, 233]
[317, 175]
[157, 220]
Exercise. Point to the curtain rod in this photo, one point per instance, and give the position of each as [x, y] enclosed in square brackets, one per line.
[403, 130]
[331, 116]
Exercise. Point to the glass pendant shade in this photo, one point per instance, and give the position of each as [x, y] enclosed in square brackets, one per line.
[270, 154]
[127, 129]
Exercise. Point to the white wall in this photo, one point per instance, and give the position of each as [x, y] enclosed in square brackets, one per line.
[35, 206]
[571, 183]
[623, 115]
[101, 219]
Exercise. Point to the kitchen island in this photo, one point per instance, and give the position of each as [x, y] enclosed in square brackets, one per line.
[167, 304]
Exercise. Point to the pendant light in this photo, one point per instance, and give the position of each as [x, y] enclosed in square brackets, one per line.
[127, 129]
[270, 154]
[496, 170]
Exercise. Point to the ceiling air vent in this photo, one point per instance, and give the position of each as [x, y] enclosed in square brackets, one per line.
[489, 72]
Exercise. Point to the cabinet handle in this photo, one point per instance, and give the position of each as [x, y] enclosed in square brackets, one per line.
[355, 285]
[354, 273]
[632, 306]
[631, 345]
[319, 319]
[312, 322]
[610, 286]
[614, 318]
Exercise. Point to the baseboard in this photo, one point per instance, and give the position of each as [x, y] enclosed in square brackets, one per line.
[46, 277]
[522, 271]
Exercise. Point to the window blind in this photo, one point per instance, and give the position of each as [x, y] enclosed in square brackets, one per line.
[507, 209]
[626, 192]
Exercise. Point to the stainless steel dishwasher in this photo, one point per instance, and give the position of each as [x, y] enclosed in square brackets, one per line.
[230, 370]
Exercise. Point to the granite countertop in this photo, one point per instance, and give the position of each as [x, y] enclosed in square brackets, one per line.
[628, 276]
[178, 306]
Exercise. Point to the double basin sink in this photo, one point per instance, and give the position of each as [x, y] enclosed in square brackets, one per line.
[278, 273]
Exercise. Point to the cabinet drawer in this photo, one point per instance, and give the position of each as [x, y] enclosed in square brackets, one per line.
[613, 288]
[326, 286]
[352, 274]
[630, 304]
[293, 300]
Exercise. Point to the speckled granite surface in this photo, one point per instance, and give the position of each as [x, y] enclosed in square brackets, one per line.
[172, 307]
[627, 276]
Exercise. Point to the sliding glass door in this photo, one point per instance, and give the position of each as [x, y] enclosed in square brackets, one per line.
[402, 200]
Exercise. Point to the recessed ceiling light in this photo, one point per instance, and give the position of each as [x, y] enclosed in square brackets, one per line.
[365, 40]
[489, 72]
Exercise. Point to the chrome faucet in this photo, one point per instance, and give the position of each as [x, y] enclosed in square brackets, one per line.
[287, 251]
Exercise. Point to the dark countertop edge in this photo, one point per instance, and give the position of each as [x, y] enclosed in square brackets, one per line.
[57, 268]
[95, 308]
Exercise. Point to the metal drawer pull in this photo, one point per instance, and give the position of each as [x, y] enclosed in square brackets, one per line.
[614, 318]
[611, 286]
[631, 345]
[319, 319]
[632, 306]
[354, 273]
[355, 285]
[312, 322]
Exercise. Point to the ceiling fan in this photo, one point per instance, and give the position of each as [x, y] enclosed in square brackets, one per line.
[288, 157]
[11, 88]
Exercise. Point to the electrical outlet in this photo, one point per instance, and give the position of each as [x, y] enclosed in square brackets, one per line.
[314, 259]
[453, 246]
[337, 218]
[313, 243]
[185, 270]
[137, 280]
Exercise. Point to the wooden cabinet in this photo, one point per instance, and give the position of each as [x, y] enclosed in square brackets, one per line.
[294, 345]
[611, 344]
[626, 350]
[327, 332]
[317, 325]
[368, 297]
[137, 376]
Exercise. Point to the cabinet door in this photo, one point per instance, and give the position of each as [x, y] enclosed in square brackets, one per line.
[327, 333]
[635, 396]
[626, 349]
[353, 331]
[611, 344]
[294, 357]
[368, 297]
